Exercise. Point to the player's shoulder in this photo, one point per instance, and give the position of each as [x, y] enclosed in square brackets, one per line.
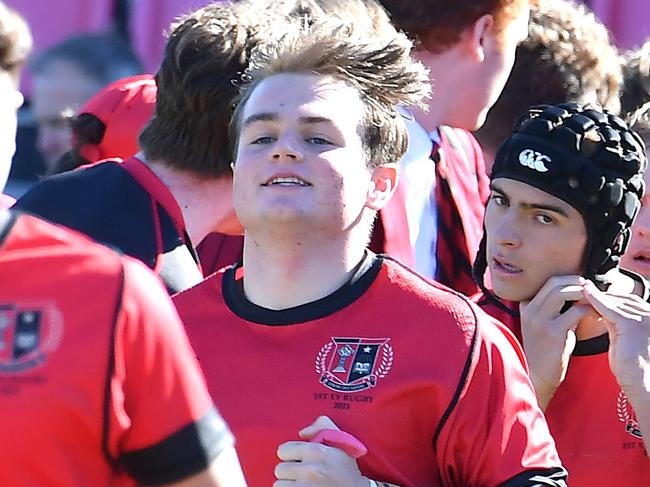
[206, 292]
[74, 188]
[423, 295]
[35, 239]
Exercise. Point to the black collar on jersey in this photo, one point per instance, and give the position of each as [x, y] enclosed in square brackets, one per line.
[362, 278]
[7, 220]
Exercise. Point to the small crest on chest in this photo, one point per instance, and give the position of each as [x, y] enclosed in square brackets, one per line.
[354, 364]
[627, 416]
[28, 332]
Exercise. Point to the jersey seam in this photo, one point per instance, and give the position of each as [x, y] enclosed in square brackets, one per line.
[461, 385]
[110, 370]
[470, 356]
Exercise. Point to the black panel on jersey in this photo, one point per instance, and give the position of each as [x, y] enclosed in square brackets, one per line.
[185, 453]
[551, 477]
[102, 201]
[362, 278]
[106, 203]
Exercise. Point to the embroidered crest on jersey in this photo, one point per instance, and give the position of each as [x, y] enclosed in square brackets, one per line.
[354, 364]
[28, 333]
[627, 415]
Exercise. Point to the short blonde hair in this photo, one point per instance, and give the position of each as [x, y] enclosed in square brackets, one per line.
[384, 75]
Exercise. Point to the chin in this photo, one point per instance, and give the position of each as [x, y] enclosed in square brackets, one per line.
[516, 293]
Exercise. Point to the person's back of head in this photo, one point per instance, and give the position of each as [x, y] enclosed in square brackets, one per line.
[438, 24]
[567, 56]
[109, 124]
[205, 55]
[15, 46]
[636, 79]
[469, 47]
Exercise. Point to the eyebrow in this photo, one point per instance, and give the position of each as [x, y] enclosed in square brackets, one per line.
[274, 117]
[535, 206]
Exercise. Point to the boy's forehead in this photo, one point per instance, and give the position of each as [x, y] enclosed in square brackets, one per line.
[321, 95]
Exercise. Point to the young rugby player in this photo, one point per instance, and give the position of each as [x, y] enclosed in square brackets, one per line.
[98, 384]
[566, 187]
[313, 324]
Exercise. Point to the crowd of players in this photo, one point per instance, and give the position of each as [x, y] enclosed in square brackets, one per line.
[469, 326]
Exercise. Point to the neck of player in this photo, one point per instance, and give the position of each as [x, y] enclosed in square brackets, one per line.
[442, 108]
[285, 268]
[206, 203]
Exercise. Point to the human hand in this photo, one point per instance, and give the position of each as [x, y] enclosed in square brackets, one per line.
[309, 464]
[627, 317]
[549, 334]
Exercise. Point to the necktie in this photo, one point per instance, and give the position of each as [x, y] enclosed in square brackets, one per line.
[453, 266]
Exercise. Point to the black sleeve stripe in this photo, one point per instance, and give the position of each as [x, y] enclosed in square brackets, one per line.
[110, 369]
[186, 452]
[552, 477]
[461, 385]
[470, 356]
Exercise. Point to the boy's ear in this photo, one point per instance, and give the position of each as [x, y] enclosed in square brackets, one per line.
[382, 186]
[474, 38]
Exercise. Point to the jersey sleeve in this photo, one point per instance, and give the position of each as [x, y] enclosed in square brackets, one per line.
[495, 433]
[161, 425]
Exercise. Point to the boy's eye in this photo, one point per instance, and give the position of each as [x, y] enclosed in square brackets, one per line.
[263, 140]
[318, 141]
[499, 200]
[544, 219]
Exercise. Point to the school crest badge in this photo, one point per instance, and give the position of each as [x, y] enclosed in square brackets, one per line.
[354, 364]
[28, 332]
[627, 416]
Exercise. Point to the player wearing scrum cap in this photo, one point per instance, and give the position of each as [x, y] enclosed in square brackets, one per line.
[565, 189]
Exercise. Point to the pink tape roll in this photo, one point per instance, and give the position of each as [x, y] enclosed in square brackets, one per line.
[342, 440]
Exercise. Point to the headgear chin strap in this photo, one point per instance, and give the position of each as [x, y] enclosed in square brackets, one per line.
[587, 158]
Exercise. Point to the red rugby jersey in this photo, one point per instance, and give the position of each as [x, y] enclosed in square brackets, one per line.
[98, 384]
[430, 384]
[593, 423]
